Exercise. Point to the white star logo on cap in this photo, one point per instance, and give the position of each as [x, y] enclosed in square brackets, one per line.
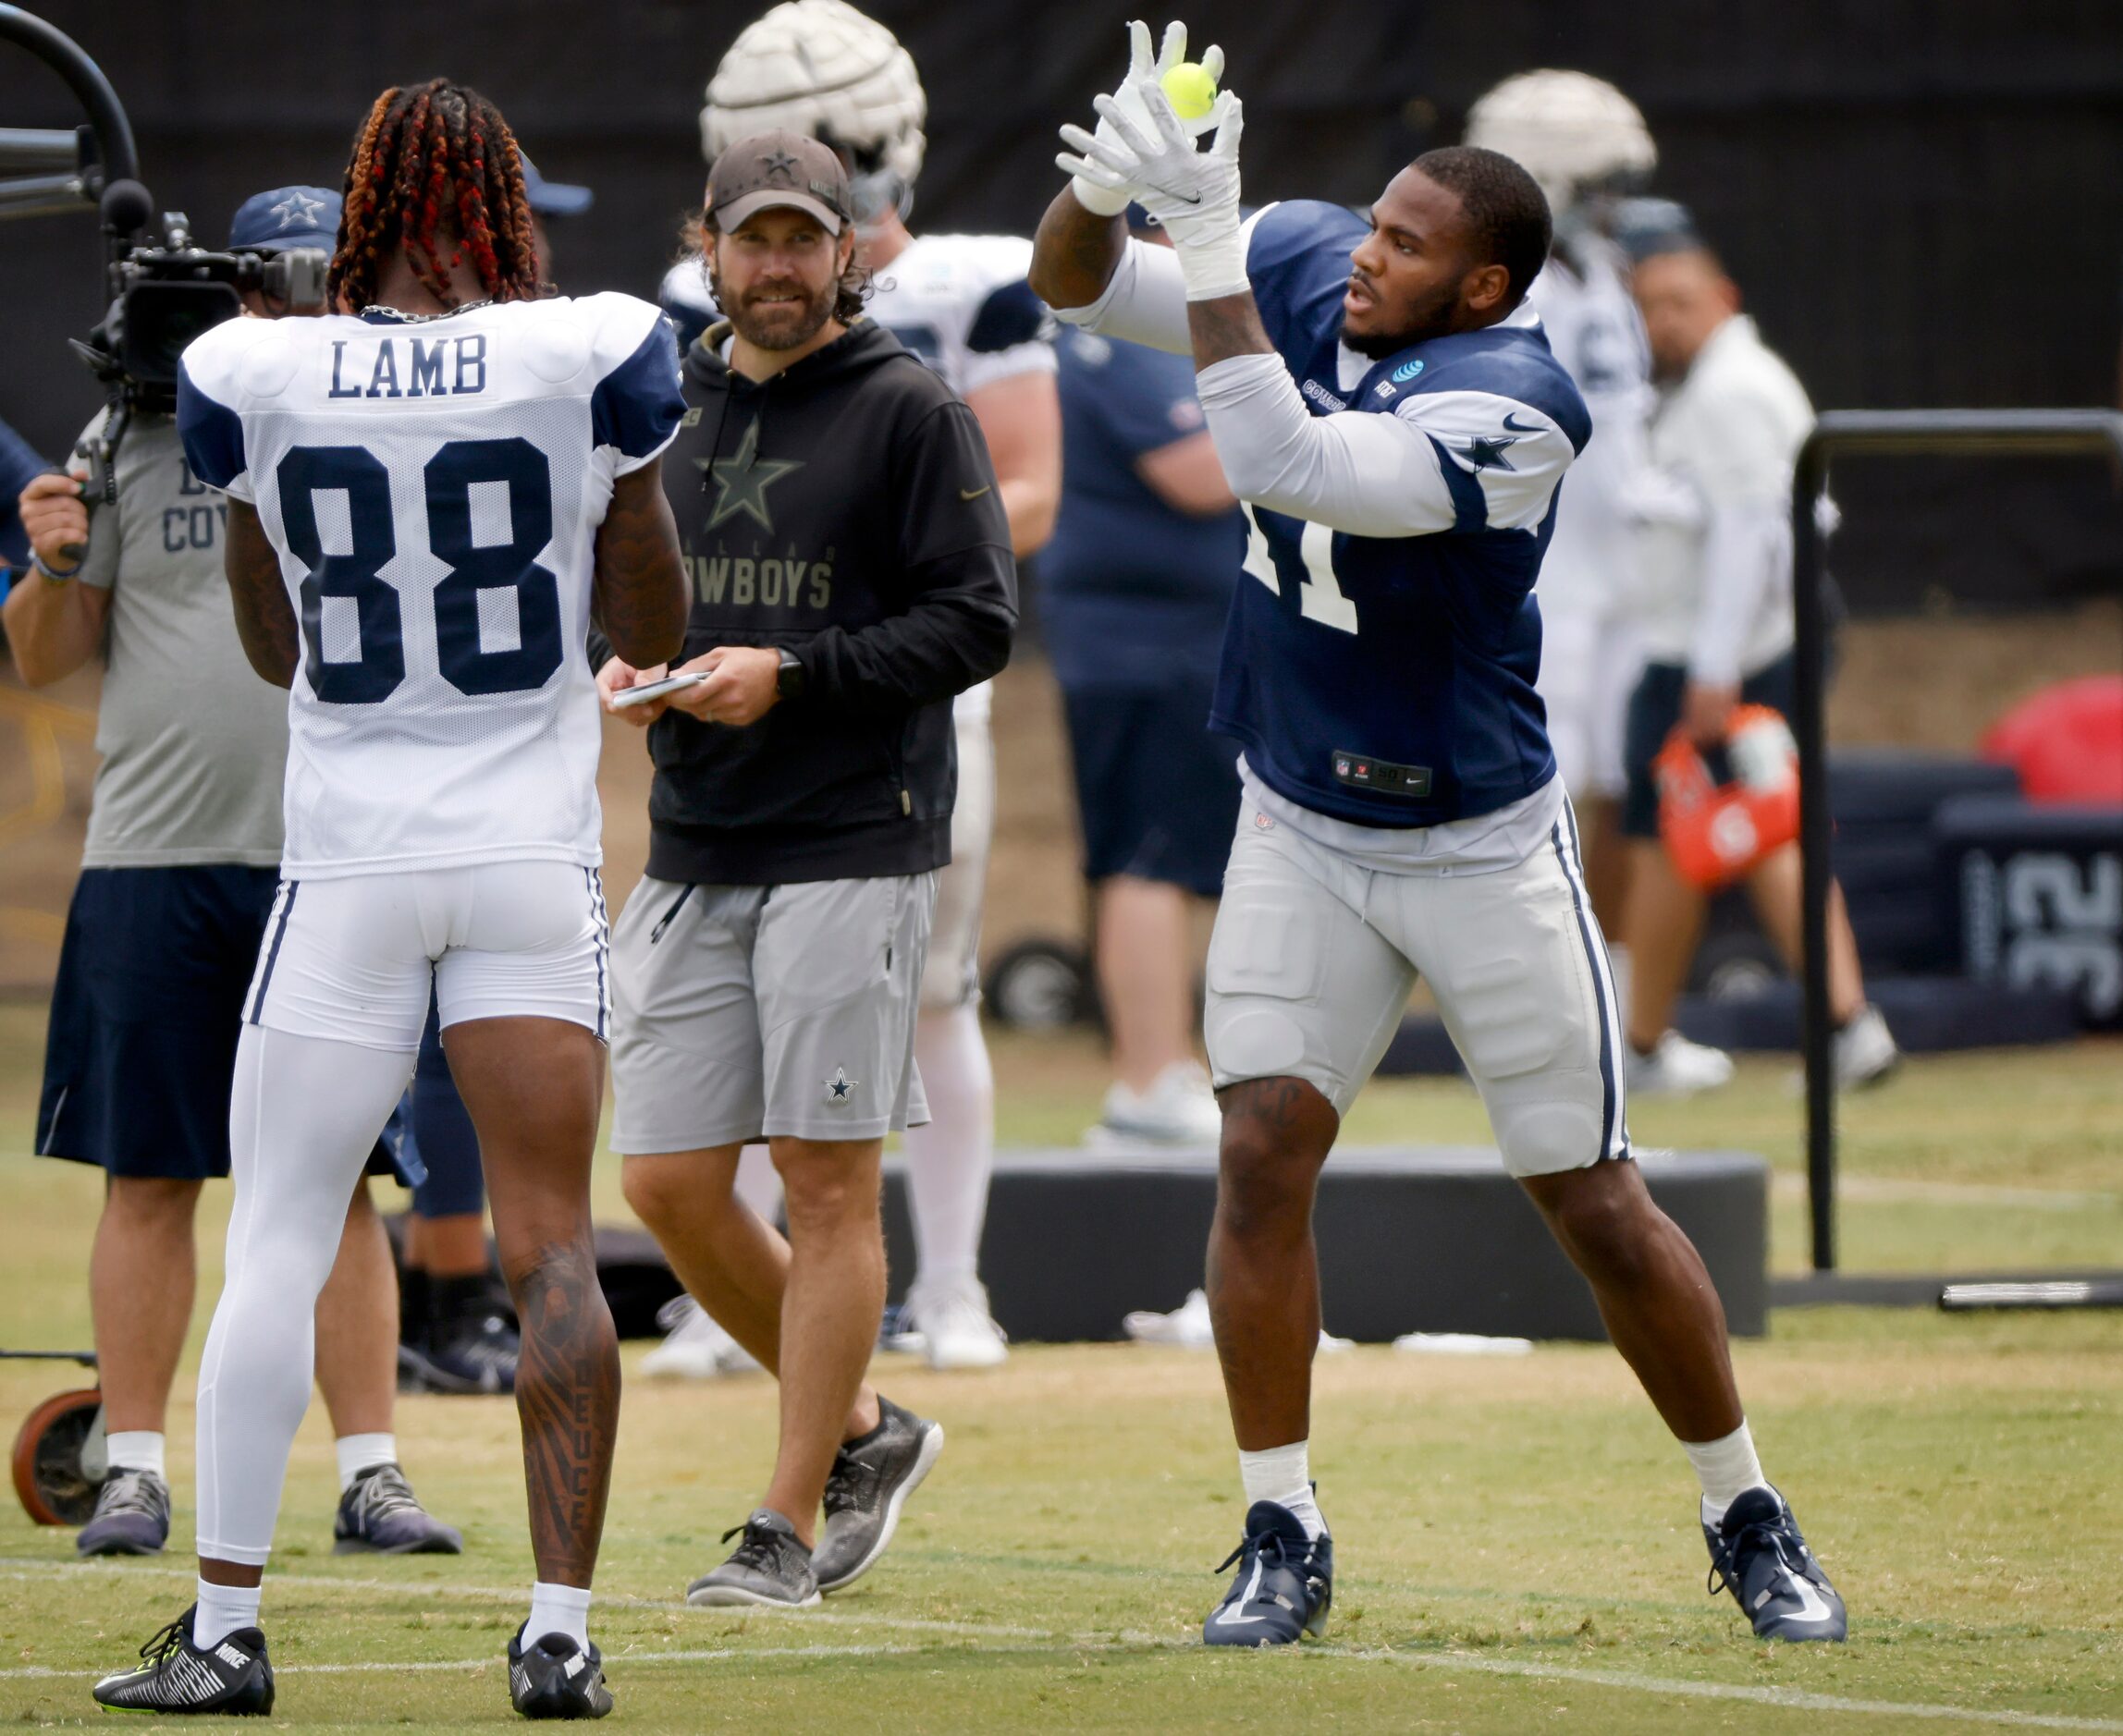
[298, 210]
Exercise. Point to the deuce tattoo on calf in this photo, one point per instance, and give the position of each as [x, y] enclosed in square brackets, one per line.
[567, 1400]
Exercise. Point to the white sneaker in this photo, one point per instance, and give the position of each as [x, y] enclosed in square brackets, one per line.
[1864, 1051]
[953, 1323]
[1677, 1068]
[1188, 1327]
[694, 1348]
[1178, 1108]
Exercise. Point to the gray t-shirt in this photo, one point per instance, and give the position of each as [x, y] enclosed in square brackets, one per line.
[194, 744]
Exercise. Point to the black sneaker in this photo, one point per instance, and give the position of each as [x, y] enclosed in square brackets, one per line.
[1758, 1554]
[870, 1482]
[1284, 1587]
[471, 1344]
[554, 1677]
[770, 1567]
[231, 1679]
[131, 1516]
[380, 1514]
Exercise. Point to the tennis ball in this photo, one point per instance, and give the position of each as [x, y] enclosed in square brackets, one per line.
[1191, 90]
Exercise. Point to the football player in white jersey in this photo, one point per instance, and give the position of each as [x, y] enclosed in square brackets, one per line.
[429, 492]
[1587, 146]
[961, 303]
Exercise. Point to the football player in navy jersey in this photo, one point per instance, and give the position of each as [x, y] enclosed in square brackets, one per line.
[1393, 420]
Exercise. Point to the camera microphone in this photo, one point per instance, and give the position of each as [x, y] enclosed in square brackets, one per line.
[128, 208]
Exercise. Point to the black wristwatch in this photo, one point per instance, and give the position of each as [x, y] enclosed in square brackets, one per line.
[791, 682]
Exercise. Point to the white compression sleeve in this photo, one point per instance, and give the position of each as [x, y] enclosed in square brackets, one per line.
[1367, 474]
[303, 1117]
[949, 1161]
[758, 1183]
[1146, 302]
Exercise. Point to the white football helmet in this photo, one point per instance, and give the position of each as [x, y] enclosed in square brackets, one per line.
[1569, 130]
[821, 67]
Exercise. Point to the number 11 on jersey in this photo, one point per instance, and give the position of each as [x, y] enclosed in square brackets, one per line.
[1319, 595]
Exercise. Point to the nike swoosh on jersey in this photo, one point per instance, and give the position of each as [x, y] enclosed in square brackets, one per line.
[975, 494]
[1520, 428]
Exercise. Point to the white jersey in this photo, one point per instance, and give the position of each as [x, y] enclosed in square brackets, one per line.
[434, 489]
[1594, 329]
[961, 302]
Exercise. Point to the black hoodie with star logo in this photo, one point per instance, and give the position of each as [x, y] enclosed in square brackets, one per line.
[845, 510]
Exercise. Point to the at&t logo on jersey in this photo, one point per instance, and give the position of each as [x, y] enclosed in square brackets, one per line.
[1406, 371]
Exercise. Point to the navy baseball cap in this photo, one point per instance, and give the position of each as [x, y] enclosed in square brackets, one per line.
[552, 199]
[287, 218]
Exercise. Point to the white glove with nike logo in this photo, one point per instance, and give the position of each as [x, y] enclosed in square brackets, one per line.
[1193, 192]
[1097, 196]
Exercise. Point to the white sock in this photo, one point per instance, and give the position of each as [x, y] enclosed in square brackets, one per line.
[949, 1161]
[222, 1610]
[558, 1610]
[136, 1450]
[1283, 1475]
[1726, 1468]
[360, 1452]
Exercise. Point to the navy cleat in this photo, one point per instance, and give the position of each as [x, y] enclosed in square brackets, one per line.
[379, 1514]
[131, 1516]
[555, 1677]
[1285, 1585]
[233, 1678]
[1758, 1554]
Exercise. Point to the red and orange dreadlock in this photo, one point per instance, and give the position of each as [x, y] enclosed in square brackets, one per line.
[435, 171]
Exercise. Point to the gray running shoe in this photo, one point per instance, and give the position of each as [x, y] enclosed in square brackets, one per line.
[870, 1482]
[131, 1516]
[768, 1566]
[380, 1514]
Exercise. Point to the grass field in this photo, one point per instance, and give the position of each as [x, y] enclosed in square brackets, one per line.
[1517, 1541]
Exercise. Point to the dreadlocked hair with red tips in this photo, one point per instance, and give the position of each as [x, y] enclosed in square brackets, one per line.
[435, 171]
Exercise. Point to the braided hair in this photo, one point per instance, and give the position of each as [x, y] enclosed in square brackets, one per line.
[435, 171]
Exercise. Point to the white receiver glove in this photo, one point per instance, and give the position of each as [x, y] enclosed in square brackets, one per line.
[1096, 196]
[1194, 193]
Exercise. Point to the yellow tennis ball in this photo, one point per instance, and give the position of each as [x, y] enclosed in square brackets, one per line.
[1190, 89]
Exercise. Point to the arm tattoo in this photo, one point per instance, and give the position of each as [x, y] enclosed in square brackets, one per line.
[1076, 254]
[264, 616]
[568, 1402]
[1226, 327]
[641, 596]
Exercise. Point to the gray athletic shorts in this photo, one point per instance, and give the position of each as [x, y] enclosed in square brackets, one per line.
[743, 1012]
[1314, 957]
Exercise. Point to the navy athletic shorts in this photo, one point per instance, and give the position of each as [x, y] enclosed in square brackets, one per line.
[442, 1135]
[1156, 791]
[140, 1054]
[1655, 708]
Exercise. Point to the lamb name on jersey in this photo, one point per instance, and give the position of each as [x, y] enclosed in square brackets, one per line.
[1388, 679]
[434, 488]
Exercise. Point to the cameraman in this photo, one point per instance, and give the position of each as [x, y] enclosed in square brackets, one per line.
[176, 878]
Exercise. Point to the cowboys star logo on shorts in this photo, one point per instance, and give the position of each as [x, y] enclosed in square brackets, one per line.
[840, 1089]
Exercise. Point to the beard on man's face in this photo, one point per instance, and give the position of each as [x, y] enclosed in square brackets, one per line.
[766, 321]
[1430, 316]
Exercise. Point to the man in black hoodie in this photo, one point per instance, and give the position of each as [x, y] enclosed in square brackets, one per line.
[852, 572]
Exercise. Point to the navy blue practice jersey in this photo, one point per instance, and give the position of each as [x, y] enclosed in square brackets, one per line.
[1388, 681]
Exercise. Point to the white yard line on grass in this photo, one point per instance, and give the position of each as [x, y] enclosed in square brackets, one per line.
[1060, 1644]
[516, 1595]
[1887, 1190]
[1789, 1699]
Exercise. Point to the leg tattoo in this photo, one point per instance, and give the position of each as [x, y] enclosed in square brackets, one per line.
[567, 1400]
